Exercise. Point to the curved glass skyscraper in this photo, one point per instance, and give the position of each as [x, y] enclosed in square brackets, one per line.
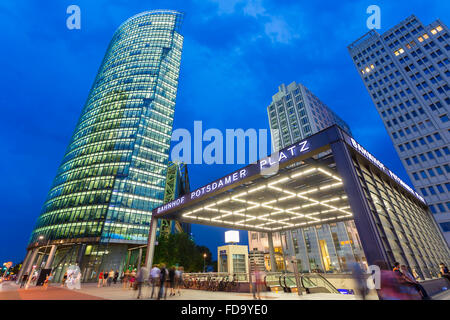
[114, 170]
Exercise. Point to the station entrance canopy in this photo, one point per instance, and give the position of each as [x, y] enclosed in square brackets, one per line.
[327, 181]
[298, 186]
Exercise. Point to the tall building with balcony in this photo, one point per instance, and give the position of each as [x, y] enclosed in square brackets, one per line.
[297, 113]
[406, 72]
[114, 170]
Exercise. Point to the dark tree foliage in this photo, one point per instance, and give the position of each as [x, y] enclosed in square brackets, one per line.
[179, 249]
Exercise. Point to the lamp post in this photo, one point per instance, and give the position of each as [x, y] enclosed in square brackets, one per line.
[204, 262]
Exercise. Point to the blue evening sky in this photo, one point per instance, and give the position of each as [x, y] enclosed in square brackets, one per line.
[235, 55]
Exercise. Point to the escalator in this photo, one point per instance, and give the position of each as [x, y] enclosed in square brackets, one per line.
[310, 283]
[316, 283]
[273, 282]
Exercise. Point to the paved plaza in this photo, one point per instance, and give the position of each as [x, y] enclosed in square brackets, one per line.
[90, 291]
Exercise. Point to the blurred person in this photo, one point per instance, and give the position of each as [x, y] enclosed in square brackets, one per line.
[163, 277]
[132, 278]
[255, 289]
[260, 274]
[155, 279]
[396, 268]
[141, 277]
[116, 276]
[443, 271]
[389, 283]
[414, 273]
[100, 280]
[171, 279]
[360, 278]
[409, 279]
[178, 279]
[110, 277]
[125, 276]
[24, 280]
[64, 279]
[47, 280]
[105, 277]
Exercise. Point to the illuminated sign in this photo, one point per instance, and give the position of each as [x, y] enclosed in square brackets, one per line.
[284, 155]
[211, 187]
[380, 165]
[232, 236]
[276, 158]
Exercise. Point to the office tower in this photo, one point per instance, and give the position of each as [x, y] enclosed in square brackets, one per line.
[294, 114]
[297, 113]
[114, 170]
[406, 72]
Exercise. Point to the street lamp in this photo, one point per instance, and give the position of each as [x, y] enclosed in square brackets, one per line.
[204, 261]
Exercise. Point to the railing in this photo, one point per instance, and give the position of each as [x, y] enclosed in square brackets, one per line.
[272, 279]
[316, 283]
[221, 281]
[214, 281]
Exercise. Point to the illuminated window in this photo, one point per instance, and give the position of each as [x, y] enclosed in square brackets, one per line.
[368, 69]
[399, 51]
[433, 31]
[439, 28]
[420, 39]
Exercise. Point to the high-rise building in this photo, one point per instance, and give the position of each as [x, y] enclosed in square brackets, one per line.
[294, 114]
[114, 170]
[406, 72]
[297, 113]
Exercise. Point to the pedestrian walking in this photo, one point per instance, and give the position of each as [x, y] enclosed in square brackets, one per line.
[172, 280]
[64, 279]
[116, 276]
[24, 280]
[443, 271]
[125, 277]
[100, 280]
[110, 277]
[141, 277]
[409, 279]
[360, 278]
[155, 279]
[105, 278]
[132, 278]
[178, 279]
[163, 277]
[47, 280]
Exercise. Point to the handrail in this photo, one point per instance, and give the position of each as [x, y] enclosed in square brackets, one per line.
[329, 283]
[279, 281]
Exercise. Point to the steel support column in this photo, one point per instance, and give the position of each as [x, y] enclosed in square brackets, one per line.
[24, 265]
[51, 256]
[151, 243]
[273, 263]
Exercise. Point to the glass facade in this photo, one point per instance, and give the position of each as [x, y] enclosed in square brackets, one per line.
[114, 170]
[409, 234]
